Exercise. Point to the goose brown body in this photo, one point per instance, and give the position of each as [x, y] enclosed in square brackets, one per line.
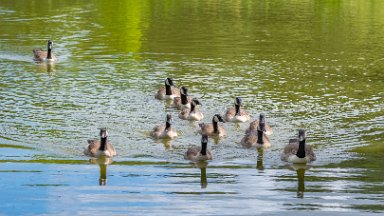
[95, 148]
[184, 101]
[256, 138]
[164, 131]
[199, 153]
[40, 55]
[237, 113]
[168, 91]
[296, 151]
[253, 125]
[213, 129]
[193, 113]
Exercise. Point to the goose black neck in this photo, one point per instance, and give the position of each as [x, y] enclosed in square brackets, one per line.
[203, 148]
[103, 143]
[215, 126]
[192, 107]
[168, 89]
[260, 135]
[301, 151]
[184, 100]
[167, 126]
[237, 107]
[49, 53]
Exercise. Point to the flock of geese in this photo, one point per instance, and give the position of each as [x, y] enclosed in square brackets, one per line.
[256, 135]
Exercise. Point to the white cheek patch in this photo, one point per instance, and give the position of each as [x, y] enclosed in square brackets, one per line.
[216, 119]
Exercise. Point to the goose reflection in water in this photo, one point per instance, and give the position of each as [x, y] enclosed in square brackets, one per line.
[167, 143]
[300, 172]
[203, 173]
[46, 67]
[259, 162]
[102, 162]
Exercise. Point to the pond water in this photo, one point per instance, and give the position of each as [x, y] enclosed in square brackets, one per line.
[316, 65]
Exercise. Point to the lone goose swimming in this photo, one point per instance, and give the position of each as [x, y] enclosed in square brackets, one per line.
[256, 138]
[236, 114]
[253, 125]
[168, 92]
[297, 152]
[197, 153]
[164, 131]
[40, 55]
[100, 148]
[213, 129]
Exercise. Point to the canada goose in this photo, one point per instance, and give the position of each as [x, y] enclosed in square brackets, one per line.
[297, 152]
[253, 125]
[256, 138]
[168, 92]
[197, 153]
[236, 114]
[193, 113]
[184, 100]
[213, 129]
[164, 131]
[40, 55]
[99, 148]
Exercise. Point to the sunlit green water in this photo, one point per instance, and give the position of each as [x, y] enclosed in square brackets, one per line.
[306, 64]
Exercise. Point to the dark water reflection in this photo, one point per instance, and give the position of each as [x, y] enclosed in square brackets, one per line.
[306, 64]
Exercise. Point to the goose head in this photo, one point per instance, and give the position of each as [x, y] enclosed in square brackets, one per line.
[204, 139]
[217, 118]
[169, 82]
[103, 133]
[194, 103]
[103, 139]
[302, 135]
[184, 90]
[260, 132]
[184, 95]
[168, 121]
[262, 123]
[204, 143]
[262, 117]
[301, 150]
[238, 101]
[50, 45]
